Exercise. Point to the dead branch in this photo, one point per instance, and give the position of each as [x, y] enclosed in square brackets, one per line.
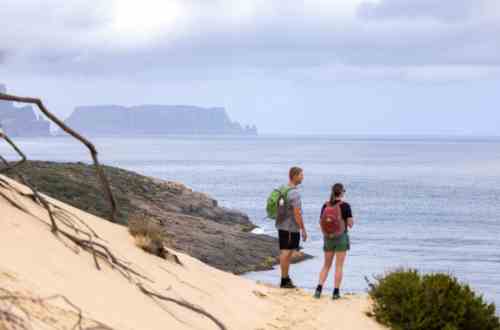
[93, 152]
[185, 304]
[14, 322]
[35, 196]
[98, 250]
[14, 146]
[184, 282]
[16, 313]
[88, 244]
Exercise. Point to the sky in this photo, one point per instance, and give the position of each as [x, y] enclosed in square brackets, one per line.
[288, 66]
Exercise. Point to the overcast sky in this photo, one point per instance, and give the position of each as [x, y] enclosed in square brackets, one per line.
[289, 66]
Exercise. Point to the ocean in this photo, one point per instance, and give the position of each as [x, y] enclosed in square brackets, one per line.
[430, 203]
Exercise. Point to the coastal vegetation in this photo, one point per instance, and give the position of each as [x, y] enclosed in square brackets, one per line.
[405, 299]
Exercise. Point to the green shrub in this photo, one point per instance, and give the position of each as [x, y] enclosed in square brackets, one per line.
[407, 300]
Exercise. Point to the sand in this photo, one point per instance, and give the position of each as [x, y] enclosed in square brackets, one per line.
[35, 263]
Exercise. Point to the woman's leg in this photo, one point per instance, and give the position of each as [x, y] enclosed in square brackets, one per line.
[326, 267]
[339, 268]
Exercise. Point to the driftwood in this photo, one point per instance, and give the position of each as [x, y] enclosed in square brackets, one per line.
[16, 148]
[68, 227]
[15, 312]
[93, 152]
[185, 304]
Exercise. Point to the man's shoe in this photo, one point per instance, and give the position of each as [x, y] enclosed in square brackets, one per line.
[287, 284]
[336, 296]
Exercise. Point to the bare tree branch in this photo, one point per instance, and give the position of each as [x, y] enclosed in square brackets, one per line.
[182, 303]
[14, 146]
[93, 152]
[15, 311]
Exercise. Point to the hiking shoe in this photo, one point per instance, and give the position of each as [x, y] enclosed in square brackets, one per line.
[287, 284]
[336, 296]
[317, 293]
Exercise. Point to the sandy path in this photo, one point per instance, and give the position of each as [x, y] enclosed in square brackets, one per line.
[299, 310]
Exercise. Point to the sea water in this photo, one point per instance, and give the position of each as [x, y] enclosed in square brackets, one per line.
[427, 203]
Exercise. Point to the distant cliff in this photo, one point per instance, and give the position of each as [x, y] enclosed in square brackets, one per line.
[154, 119]
[21, 121]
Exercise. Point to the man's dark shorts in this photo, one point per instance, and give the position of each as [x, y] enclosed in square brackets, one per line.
[289, 240]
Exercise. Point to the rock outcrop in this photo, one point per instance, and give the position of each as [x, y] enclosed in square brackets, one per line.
[21, 121]
[154, 120]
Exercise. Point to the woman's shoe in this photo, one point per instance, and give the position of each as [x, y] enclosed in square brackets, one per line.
[336, 296]
[317, 293]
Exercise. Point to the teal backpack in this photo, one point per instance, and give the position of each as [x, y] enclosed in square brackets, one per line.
[277, 203]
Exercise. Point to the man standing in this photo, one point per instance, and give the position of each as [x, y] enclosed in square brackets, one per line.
[291, 227]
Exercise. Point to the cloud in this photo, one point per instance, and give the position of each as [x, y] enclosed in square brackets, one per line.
[46, 30]
[193, 39]
[413, 74]
[447, 11]
[411, 9]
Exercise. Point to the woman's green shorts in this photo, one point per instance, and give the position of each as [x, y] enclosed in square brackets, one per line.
[338, 244]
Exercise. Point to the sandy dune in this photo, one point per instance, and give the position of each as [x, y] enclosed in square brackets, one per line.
[36, 263]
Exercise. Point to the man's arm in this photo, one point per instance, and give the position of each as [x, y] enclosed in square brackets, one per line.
[350, 222]
[300, 222]
[297, 212]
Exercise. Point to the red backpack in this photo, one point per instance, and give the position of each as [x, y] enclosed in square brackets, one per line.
[332, 223]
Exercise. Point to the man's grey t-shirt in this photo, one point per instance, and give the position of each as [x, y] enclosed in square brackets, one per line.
[294, 201]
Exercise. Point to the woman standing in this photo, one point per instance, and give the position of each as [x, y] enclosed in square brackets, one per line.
[336, 218]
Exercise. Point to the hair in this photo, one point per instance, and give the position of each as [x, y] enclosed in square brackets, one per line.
[337, 191]
[294, 171]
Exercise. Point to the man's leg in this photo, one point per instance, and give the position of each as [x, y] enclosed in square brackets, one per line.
[285, 260]
[284, 263]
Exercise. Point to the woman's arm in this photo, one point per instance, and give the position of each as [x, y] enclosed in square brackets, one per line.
[321, 216]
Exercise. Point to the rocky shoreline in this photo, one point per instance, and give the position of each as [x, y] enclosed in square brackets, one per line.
[193, 221]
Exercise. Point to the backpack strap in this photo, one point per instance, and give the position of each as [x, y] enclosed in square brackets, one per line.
[345, 220]
[285, 190]
[339, 204]
[323, 208]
